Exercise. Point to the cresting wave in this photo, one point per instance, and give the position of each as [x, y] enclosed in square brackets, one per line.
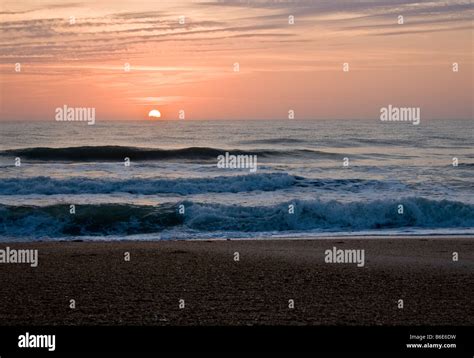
[183, 186]
[118, 153]
[120, 219]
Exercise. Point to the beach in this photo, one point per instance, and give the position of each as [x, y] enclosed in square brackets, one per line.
[215, 289]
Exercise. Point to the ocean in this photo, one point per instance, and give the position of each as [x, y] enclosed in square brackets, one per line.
[313, 178]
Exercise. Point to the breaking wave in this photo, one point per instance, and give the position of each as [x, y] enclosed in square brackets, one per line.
[124, 219]
[183, 186]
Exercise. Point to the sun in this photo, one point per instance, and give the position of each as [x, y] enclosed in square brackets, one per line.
[154, 113]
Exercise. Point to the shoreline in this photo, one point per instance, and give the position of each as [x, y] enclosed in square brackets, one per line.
[99, 239]
[217, 290]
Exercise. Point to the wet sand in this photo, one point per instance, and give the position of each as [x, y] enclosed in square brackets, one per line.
[217, 290]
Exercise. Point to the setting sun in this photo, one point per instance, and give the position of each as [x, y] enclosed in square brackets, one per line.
[154, 113]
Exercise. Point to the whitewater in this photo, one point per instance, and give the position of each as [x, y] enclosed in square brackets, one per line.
[301, 187]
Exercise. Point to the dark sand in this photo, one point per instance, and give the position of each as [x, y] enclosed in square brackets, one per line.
[219, 291]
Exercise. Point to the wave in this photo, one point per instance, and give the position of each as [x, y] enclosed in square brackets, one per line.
[94, 220]
[274, 141]
[123, 219]
[183, 186]
[118, 153]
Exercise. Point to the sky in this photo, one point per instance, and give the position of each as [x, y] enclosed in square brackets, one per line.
[77, 54]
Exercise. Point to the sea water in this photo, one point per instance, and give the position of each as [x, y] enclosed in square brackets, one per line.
[161, 179]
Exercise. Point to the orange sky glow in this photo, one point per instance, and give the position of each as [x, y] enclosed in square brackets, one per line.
[77, 54]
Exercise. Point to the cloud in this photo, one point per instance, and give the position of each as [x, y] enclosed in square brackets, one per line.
[262, 22]
[411, 32]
